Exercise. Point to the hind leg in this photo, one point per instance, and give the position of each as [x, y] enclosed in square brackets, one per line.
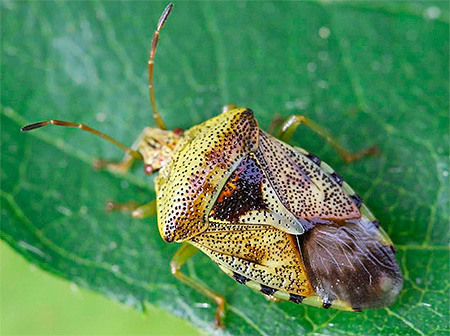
[294, 121]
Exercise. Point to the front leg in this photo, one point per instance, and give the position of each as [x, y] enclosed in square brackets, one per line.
[125, 164]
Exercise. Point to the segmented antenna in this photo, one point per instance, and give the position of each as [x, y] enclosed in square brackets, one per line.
[151, 62]
[83, 127]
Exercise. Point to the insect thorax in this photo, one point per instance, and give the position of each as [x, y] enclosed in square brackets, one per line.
[201, 164]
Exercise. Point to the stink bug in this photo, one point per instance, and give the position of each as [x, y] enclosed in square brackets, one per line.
[272, 216]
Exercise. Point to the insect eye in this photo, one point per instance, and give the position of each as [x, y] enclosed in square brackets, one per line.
[178, 131]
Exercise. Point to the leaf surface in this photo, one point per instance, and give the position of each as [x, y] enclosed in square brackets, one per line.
[372, 73]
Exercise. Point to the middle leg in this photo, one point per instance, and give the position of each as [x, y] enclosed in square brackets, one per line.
[185, 252]
[137, 211]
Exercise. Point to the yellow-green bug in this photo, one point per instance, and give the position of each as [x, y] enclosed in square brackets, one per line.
[272, 216]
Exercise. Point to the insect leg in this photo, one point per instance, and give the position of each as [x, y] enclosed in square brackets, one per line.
[137, 211]
[125, 207]
[145, 210]
[125, 164]
[275, 124]
[229, 107]
[289, 126]
[185, 252]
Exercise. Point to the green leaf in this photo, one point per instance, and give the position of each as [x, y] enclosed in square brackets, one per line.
[376, 73]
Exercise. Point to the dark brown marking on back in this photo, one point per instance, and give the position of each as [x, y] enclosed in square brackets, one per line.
[314, 158]
[296, 298]
[240, 278]
[337, 178]
[357, 200]
[242, 192]
[248, 113]
[267, 290]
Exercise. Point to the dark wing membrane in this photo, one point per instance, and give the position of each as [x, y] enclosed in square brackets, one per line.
[349, 262]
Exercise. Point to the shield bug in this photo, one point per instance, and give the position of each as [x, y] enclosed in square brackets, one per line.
[272, 216]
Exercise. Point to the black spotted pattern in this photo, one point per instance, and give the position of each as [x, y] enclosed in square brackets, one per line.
[296, 298]
[302, 186]
[261, 253]
[314, 158]
[357, 200]
[187, 186]
[242, 192]
[240, 278]
[337, 178]
[267, 290]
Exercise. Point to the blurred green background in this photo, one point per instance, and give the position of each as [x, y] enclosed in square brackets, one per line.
[34, 302]
[371, 72]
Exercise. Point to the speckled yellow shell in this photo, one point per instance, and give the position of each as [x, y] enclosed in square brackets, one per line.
[295, 193]
[274, 217]
[188, 186]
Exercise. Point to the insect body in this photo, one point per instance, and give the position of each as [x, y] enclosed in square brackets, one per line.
[272, 216]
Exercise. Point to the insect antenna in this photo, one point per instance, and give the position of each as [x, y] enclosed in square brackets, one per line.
[151, 62]
[83, 127]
